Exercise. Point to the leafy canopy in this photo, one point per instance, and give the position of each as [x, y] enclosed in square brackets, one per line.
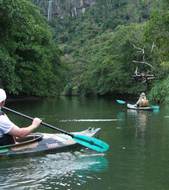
[29, 59]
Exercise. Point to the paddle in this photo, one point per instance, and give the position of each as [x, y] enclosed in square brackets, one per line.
[89, 142]
[121, 101]
[156, 108]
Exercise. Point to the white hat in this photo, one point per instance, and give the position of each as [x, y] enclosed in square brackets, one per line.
[142, 94]
[2, 95]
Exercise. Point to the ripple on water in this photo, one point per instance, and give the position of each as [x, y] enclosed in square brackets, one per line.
[54, 171]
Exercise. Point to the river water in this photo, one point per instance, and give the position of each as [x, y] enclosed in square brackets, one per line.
[138, 158]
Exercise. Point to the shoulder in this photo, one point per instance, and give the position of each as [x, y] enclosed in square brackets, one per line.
[4, 117]
[5, 121]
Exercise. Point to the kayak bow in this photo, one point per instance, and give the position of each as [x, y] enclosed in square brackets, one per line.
[38, 143]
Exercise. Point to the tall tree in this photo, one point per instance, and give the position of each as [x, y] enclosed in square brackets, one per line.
[29, 59]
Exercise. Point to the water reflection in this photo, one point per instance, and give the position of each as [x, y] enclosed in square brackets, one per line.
[141, 119]
[54, 171]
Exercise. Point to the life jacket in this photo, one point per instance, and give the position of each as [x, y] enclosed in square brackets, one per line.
[144, 103]
[1, 112]
[6, 139]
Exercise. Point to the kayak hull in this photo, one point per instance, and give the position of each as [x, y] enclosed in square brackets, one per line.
[134, 107]
[45, 143]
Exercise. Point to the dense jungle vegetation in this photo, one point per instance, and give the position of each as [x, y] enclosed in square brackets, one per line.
[95, 52]
[29, 57]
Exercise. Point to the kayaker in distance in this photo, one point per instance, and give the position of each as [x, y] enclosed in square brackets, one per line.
[8, 130]
[142, 101]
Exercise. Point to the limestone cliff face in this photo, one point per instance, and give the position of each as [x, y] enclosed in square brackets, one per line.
[61, 8]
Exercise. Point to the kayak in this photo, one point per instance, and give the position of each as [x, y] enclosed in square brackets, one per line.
[154, 108]
[133, 106]
[38, 143]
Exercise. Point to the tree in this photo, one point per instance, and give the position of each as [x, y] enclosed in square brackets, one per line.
[29, 59]
[109, 66]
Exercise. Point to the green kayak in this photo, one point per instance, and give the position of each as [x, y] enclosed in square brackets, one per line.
[38, 143]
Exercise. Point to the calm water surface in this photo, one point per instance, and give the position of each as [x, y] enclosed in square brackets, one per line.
[138, 158]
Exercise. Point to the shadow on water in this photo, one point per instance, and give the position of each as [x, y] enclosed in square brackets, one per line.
[54, 171]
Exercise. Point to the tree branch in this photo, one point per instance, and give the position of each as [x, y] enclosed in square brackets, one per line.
[143, 62]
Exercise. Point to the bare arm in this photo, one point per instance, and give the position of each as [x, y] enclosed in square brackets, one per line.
[22, 132]
[138, 101]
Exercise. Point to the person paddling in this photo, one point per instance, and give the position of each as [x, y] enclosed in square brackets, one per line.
[142, 101]
[8, 130]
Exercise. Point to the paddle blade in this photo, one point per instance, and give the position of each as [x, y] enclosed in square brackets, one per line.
[91, 142]
[120, 101]
[155, 107]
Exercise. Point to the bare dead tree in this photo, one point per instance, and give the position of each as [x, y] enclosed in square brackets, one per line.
[143, 76]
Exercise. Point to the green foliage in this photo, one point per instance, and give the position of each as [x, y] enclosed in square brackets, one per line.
[99, 46]
[160, 92]
[157, 33]
[29, 58]
[111, 13]
[109, 58]
[7, 71]
[101, 50]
